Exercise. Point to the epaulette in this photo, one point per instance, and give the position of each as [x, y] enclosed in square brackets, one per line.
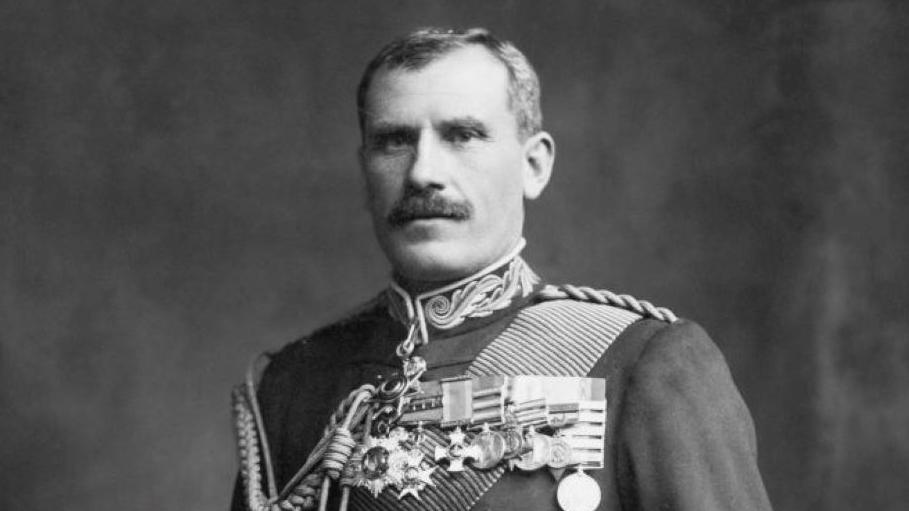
[606, 297]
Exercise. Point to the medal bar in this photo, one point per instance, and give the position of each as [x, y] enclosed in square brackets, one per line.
[572, 409]
[528, 422]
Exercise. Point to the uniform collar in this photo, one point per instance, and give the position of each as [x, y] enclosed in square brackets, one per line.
[486, 295]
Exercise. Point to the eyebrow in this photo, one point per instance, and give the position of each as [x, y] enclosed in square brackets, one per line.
[465, 122]
[461, 122]
[388, 127]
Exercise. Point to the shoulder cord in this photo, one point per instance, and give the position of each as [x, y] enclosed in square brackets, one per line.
[603, 296]
[302, 489]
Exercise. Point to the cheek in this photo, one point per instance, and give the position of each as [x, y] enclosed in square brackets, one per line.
[382, 189]
[503, 185]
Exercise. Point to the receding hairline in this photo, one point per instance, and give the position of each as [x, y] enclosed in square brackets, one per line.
[384, 72]
[421, 48]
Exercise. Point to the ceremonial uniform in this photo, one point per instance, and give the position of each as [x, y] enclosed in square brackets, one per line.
[677, 434]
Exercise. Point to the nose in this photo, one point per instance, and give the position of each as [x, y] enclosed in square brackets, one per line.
[427, 168]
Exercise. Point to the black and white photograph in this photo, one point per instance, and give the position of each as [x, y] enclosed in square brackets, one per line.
[603, 255]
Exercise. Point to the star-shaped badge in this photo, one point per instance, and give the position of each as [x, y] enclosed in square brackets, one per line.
[376, 463]
[457, 451]
[414, 474]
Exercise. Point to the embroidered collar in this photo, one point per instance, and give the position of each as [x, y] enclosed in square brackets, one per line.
[490, 290]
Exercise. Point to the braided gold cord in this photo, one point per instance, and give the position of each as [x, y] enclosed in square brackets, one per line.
[341, 412]
[248, 449]
[333, 450]
[349, 472]
[606, 297]
[331, 453]
[338, 452]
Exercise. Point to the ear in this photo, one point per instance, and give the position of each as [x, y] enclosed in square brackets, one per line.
[539, 155]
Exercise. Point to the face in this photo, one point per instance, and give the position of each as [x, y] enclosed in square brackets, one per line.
[446, 171]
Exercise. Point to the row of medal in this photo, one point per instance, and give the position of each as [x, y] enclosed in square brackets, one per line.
[398, 460]
[516, 414]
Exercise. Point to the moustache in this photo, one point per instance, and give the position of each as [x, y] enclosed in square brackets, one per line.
[426, 203]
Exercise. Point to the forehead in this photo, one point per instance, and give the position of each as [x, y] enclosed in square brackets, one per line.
[465, 82]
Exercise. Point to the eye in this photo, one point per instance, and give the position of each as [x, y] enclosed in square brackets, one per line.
[463, 134]
[392, 141]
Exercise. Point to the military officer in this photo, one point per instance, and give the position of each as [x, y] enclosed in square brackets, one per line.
[470, 383]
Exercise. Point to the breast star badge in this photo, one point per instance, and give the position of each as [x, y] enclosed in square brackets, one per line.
[379, 462]
[415, 476]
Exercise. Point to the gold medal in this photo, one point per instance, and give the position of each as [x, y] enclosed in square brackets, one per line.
[578, 492]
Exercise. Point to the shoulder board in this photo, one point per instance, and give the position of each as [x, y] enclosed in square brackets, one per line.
[605, 297]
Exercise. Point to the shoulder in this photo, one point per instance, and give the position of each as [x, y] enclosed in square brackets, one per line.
[682, 434]
[675, 358]
[327, 341]
[586, 294]
[593, 308]
[593, 311]
[567, 329]
[650, 350]
[673, 378]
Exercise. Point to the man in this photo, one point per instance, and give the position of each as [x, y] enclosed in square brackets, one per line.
[469, 384]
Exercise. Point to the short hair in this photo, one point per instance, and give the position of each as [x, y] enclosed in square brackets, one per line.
[422, 47]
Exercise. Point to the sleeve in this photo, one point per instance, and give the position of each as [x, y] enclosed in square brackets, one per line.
[269, 405]
[685, 439]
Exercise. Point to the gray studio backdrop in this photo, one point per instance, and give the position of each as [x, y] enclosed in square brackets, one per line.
[179, 191]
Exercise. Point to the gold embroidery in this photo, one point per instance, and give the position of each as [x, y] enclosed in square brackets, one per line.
[480, 297]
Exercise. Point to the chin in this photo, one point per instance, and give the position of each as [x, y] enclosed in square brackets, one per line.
[435, 260]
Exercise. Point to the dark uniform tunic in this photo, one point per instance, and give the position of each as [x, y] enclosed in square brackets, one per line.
[678, 435]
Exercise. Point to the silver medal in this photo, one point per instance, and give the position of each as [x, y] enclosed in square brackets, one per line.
[490, 448]
[539, 454]
[560, 453]
[578, 492]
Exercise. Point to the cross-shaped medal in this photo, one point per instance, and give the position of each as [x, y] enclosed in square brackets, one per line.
[457, 451]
